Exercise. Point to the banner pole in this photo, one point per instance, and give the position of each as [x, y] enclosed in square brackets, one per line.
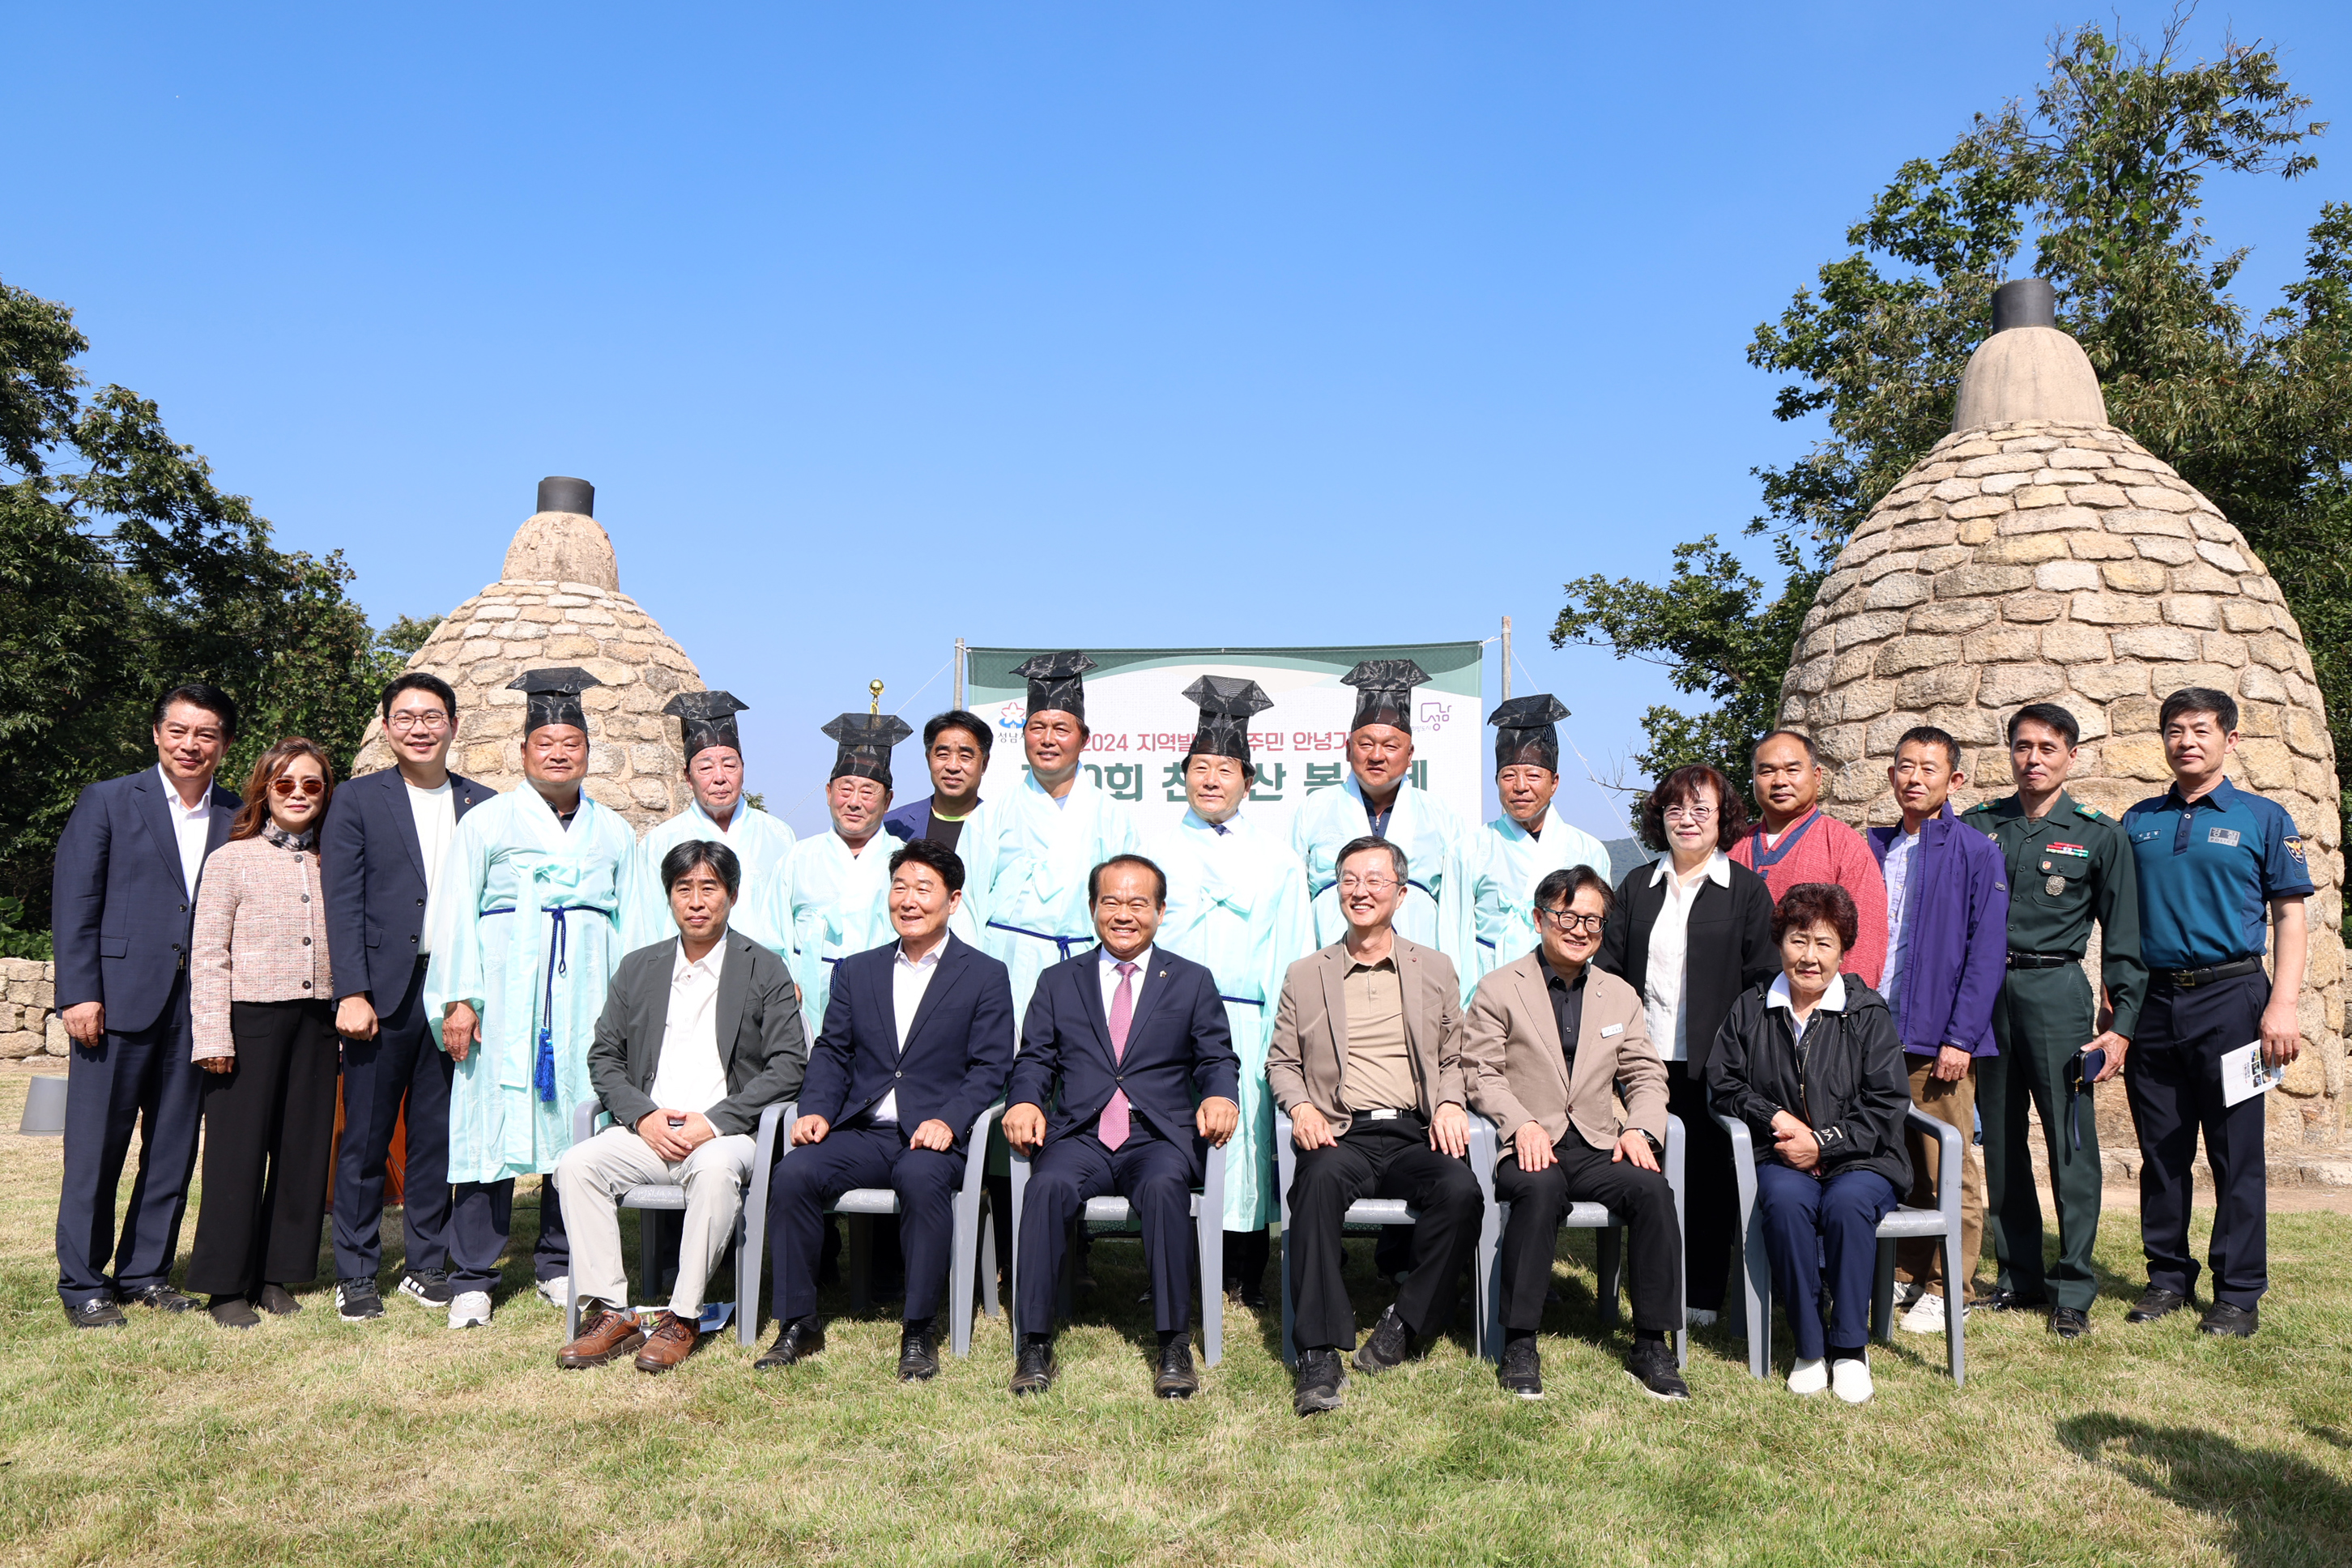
[959, 672]
[1507, 658]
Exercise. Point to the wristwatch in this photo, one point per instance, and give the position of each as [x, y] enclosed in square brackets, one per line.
[1657, 1149]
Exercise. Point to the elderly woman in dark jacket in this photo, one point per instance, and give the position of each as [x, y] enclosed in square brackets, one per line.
[1811, 1064]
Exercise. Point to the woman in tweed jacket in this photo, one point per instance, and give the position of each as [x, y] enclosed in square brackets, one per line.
[265, 1035]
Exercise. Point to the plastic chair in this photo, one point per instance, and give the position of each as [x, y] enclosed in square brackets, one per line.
[975, 1230]
[1392, 1211]
[659, 1197]
[1209, 1225]
[1942, 1222]
[1608, 1249]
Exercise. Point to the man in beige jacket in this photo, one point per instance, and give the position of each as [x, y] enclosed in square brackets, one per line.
[1367, 1062]
[1558, 1054]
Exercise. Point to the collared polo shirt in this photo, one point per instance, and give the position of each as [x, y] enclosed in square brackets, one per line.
[1378, 1075]
[2208, 872]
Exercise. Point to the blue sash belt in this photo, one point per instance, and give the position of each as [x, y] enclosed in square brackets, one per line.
[1067, 943]
[1244, 1000]
[1482, 942]
[559, 962]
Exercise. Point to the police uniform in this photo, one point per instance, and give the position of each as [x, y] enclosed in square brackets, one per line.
[2066, 868]
[2207, 872]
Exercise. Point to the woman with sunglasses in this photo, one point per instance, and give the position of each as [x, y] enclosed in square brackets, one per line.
[265, 1035]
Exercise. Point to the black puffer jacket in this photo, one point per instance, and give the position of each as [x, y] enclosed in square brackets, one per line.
[1847, 1081]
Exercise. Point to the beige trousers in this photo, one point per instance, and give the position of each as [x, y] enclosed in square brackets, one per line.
[1916, 1262]
[592, 1177]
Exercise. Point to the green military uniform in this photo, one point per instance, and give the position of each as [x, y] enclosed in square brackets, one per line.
[2066, 868]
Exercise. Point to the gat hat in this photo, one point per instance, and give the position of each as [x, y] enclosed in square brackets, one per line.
[1525, 732]
[707, 718]
[1226, 703]
[866, 740]
[1383, 692]
[552, 696]
[1055, 686]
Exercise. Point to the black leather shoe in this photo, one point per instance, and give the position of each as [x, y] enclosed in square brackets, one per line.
[2002, 1298]
[1521, 1373]
[1032, 1368]
[919, 1356]
[1176, 1379]
[796, 1341]
[1390, 1344]
[234, 1312]
[2230, 1322]
[1651, 1364]
[96, 1313]
[163, 1299]
[2155, 1302]
[1316, 1385]
[278, 1302]
[2069, 1322]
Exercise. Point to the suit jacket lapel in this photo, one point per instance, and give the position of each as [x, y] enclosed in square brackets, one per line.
[1090, 997]
[656, 1007]
[734, 986]
[1535, 995]
[405, 820]
[155, 812]
[224, 817]
[1335, 1006]
[951, 963]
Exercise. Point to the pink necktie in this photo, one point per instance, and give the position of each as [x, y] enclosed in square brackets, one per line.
[1114, 1126]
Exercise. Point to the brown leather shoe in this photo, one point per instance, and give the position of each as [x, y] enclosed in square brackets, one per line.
[670, 1342]
[605, 1333]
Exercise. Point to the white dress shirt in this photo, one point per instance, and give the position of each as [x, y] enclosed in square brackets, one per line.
[1107, 972]
[191, 826]
[1833, 1000]
[436, 812]
[909, 978]
[690, 1076]
[1662, 986]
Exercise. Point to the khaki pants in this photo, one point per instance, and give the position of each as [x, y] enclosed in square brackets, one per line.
[1954, 1104]
[592, 1175]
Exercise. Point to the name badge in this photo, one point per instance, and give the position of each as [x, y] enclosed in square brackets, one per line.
[1612, 1029]
[2149, 836]
[2225, 835]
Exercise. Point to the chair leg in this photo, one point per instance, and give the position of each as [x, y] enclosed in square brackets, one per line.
[1882, 1295]
[1289, 1307]
[1490, 1264]
[1956, 1319]
[1608, 1253]
[989, 1297]
[1209, 1225]
[861, 1262]
[649, 1252]
[1755, 1285]
[962, 1283]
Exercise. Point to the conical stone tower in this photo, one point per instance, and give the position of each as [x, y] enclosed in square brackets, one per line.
[2038, 553]
[559, 601]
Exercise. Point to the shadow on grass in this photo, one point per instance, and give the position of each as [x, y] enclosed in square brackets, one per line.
[2276, 1510]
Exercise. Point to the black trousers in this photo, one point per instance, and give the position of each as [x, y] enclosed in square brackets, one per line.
[1585, 1174]
[1377, 1160]
[269, 1137]
[142, 1083]
[2172, 1077]
[1710, 1192]
[401, 1066]
[806, 1181]
[1153, 1175]
[481, 1218]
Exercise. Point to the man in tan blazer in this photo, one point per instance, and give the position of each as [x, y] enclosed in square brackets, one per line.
[1558, 1053]
[1366, 1061]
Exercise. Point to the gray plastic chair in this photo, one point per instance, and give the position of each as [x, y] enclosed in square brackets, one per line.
[1608, 1249]
[1209, 1227]
[1392, 1211]
[1942, 1222]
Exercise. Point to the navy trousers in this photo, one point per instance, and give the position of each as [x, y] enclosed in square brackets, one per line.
[1151, 1174]
[1823, 1232]
[2173, 1080]
[804, 1183]
[401, 1066]
[144, 1083]
[481, 1218]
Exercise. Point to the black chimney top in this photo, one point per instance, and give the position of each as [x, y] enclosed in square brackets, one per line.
[2024, 302]
[557, 493]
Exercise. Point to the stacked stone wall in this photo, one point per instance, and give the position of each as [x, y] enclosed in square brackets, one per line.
[29, 1024]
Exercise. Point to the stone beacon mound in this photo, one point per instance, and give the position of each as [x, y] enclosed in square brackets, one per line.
[558, 601]
[2038, 553]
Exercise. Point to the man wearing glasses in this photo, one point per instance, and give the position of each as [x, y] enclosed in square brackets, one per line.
[1549, 1048]
[380, 858]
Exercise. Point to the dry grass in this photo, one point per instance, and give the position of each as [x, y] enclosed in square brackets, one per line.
[312, 1441]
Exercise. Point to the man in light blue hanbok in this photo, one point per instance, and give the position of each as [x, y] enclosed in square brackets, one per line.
[1378, 798]
[1519, 849]
[1028, 852]
[525, 937]
[1237, 904]
[714, 771]
[834, 898]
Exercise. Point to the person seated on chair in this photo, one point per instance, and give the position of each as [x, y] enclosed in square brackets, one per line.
[917, 1043]
[1811, 1064]
[1366, 1061]
[1119, 1041]
[1558, 1054]
[699, 1035]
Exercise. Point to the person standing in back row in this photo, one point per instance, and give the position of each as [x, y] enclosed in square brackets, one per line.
[955, 747]
[1798, 843]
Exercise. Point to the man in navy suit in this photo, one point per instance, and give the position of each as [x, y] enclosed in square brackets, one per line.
[917, 1041]
[380, 856]
[127, 871]
[1121, 1042]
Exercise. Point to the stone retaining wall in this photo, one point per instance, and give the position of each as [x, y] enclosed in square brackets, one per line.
[29, 1024]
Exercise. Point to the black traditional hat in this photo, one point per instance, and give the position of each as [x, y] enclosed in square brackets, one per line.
[552, 696]
[1226, 703]
[1383, 692]
[866, 740]
[1053, 683]
[707, 718]
[1524, 732]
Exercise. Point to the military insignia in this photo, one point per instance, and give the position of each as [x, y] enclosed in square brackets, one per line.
[2226, 836]
[2090, 811]
[2055, 886]
[2046, 864]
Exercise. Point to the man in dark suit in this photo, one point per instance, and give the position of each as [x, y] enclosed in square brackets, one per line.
[917, 1042]
[123, 896]
[699, 1035]
[1121, 1042]
[380, 855]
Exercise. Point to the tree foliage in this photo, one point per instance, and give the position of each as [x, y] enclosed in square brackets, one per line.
[2102, 178]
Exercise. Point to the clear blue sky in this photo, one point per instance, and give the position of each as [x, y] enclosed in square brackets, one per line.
[1130, 325]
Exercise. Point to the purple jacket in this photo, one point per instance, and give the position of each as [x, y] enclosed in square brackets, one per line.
[1956, 940]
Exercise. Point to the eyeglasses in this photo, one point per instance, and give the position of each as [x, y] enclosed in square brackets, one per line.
[1352, 883]
[285, 785]
[1568, 919]
[1688, 814]
[427, 720]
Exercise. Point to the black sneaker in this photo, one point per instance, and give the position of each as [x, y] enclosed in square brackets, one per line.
[2230, 1322]
[1522, 1370]
[1316, 1385]
[99, 1313]
[1390, 1344]
[163, 1299]
[1175, 1378]
[1651, 1364]
[356, 1300]
[918, 1354]
[1033, 1369]
[2069, 1322]
[2155, 1302]
[430, 1286]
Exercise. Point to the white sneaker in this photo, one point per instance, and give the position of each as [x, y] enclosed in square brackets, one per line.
[1926, 1316]
[1809, 1376]
[471, 1309]
[1908, 1295]
[1702, 1317]
[556, 1292]
[1850, 1380]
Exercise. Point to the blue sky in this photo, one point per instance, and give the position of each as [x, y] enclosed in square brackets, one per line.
[1129, 325]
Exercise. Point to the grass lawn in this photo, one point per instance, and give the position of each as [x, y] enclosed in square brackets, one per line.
[311, 1441]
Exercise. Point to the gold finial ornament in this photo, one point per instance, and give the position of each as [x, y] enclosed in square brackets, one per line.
[874, 689]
